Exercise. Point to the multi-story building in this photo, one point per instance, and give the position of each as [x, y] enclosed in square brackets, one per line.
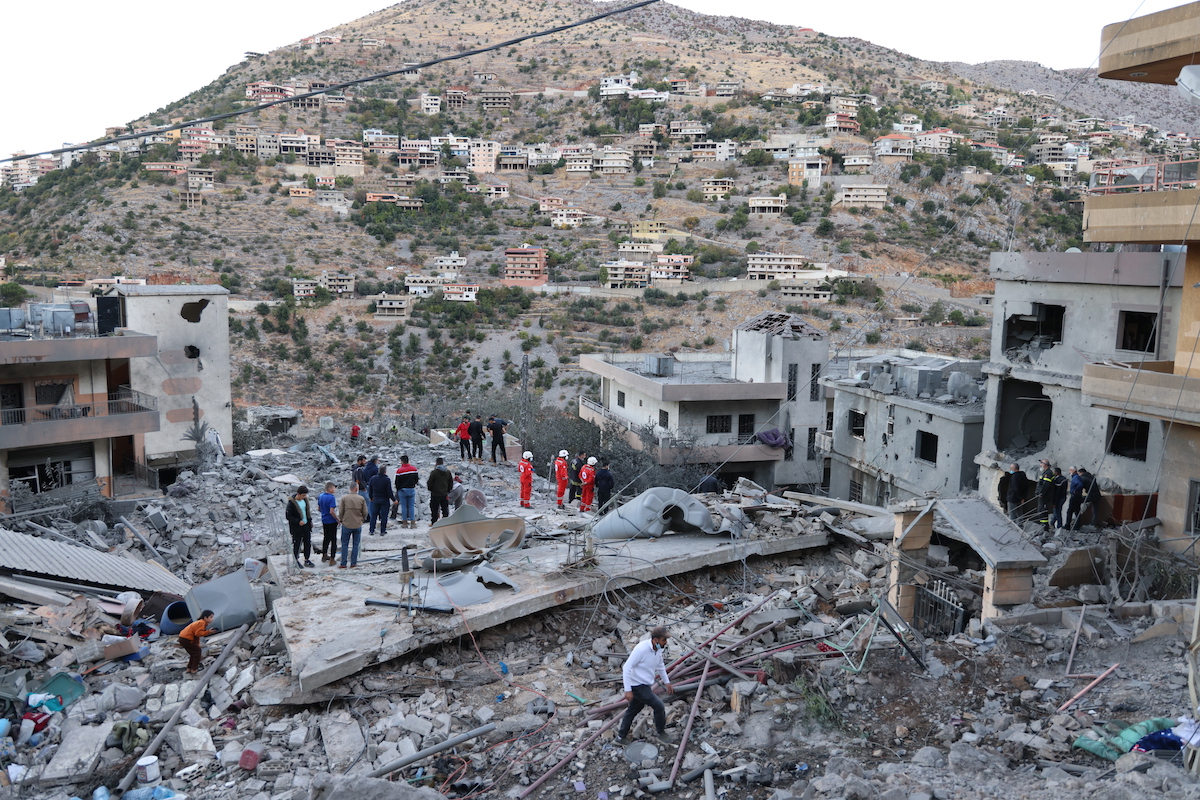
[639, 251]
[810, 169]
[425, 285]
[937, 141]
[904, 425]
[841, 123]
[714, 151]
[1062, 321]
[304, 288]
[460, 292]
[613, 161]
[431, 104]
[721, 408]
[337, 283]
[728, 88]
[393, 306]
[717, 188]
[525, 266]
[482, 155]
[895, 148]
[622, 274]
[451, 262]
[579, 163]
[861, 195]
[767, 206]
[778, 266]
[495, 98]
[688, 128]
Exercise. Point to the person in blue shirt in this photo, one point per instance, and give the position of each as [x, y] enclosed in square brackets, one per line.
[327, 502]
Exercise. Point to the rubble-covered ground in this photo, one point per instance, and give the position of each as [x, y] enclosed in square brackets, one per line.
[845, 712]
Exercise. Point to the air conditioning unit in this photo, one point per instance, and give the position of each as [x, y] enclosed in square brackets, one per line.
[659, 364]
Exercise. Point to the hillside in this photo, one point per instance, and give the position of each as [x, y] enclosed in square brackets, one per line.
[96, 218]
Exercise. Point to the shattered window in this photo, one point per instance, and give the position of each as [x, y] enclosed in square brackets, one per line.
[927, 446]
[858, 424]
[812, 444]
[1041, 329]
[1128, 437]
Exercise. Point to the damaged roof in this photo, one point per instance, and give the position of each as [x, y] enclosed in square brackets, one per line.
[27, 555]
[780, 324]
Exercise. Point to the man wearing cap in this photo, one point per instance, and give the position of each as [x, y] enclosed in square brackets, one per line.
[587, 484]
[644, 665]
[525, 473]
[561, 473]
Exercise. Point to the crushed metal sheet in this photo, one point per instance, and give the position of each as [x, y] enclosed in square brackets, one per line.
[469, 531]
[26, 555]
[656, 511]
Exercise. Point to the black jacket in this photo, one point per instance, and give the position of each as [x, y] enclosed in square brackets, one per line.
[380, 488]
[1018, 488]
[292, 514]
[440, 481]
[475, 429]
[605, 482]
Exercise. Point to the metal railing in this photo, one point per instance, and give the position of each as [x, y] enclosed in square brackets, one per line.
[122, 401]
[936, 612]
[1156, 175]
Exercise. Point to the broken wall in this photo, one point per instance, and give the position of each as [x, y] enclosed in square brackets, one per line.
[192, 326]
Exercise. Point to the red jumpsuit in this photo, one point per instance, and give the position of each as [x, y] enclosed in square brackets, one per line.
[587, 477]
[560, 476]
[525, 471]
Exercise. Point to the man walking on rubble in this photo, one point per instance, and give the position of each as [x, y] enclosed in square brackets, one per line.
[358, 476]
[439, 483]
[475, 431]
[380, 492]
[352, 510]
[561, 475]
[645, 663]
[496, 427]
[463, 434]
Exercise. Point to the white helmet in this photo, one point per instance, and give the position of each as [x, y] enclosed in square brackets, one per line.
[527, 455]
[563, 453]
[592, 461]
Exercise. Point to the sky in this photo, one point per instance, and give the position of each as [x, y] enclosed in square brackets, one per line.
[92, 67]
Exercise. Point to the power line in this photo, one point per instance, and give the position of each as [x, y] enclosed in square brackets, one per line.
[345, 84]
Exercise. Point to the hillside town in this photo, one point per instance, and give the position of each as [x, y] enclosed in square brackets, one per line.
[849, 434]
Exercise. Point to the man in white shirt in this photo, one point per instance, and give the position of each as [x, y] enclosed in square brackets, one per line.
[645, 663]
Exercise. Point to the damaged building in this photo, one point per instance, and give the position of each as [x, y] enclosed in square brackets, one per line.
[757, 409]
[1055, 313]
[904, 425]
[101, 403]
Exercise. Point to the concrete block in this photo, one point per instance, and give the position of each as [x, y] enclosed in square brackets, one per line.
[417, 725]
[1158, 630]
[78, 754]
[343, 741]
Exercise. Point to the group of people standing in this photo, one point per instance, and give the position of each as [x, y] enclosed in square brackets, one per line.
[1050, 490]
[470, 434]
[579, 478]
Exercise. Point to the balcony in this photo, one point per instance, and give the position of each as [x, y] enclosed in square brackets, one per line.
[24, 350]
[1151, 48]
[1155, 391]
[126, 412]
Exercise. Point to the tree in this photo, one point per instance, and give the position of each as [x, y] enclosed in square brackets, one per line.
[660, 189]
[758, 158]
[12, 294]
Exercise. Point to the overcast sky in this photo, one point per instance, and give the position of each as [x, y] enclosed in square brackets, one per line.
[95, 65]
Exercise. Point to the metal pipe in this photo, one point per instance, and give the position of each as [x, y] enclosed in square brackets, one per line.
[1088, 688]
[713, 638]
[56, 534]
[400, 763]
[688, 777]
[547, 775]
[145, 542]
[152, 748]
[693, 667]
[708, 659]
[687, 730]
[710, 792]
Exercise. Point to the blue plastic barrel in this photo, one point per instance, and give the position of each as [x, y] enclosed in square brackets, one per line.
[175, 618]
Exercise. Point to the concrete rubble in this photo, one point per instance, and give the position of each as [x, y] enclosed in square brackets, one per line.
[797, 666]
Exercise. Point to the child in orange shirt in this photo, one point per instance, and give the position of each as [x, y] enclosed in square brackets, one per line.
[189, 640]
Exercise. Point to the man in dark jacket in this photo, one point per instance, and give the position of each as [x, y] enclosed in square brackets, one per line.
[1018, 489]
[358, 476]
[439, 483]
[496, 428]
[381, 496]
[475, 431]
[1061, 488]
[1045, 492]
[300, 526]
[605, 483]
[573, 475]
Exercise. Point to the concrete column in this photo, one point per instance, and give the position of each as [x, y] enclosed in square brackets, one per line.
[914, 546]
[1187, 351]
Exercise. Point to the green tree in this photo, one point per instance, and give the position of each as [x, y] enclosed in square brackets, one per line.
[12, 294]
[660, 189]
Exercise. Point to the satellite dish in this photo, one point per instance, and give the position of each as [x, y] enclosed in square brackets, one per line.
[1072, 250]
[1188, 84]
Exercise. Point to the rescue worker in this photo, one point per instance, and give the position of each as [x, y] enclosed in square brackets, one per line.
[1045, 492]
[525, 472]
[560, 475]
[577, 463]
[587, 484]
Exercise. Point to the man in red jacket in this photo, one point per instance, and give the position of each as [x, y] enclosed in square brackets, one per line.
[525, 471]
[560, 475]
[587, 478]
[464, 438]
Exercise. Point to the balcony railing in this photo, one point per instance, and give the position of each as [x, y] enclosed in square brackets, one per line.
[122, 401]
[1149, 176]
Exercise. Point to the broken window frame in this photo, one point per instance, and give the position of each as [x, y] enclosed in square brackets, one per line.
[856, 491]
[856, 423]
[814, 384]
[1125, 428]
[1045, 321]
[812, 444]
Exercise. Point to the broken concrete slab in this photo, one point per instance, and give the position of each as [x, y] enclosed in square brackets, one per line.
[342, 738]
[320, 653]
[78, 754]
[1157, 630]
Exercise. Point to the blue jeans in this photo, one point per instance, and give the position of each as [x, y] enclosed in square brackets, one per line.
[348, 535]
[379, 511]
[408, 504]
[643, 696]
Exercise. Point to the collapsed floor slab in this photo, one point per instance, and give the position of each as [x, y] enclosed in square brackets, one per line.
[330, 634]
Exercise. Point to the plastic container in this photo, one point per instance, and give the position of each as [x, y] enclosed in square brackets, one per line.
[5, 726]
[175, 618]
[102, 793]
[147, 770]
[26, 731]
[251, 755]
[63, 685]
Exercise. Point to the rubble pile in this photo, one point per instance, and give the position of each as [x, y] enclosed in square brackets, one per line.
[798, 671]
